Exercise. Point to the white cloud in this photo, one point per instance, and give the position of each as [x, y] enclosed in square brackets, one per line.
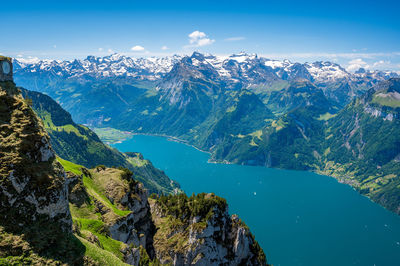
[137, 48]
[111, 51]
[355, 64]
[29, 60]
[196, 35]
[382, 64]
[205, 41]
[164, 48]
[54, 46]
[100, 49]
[234, 39]
[198, 38]
[379, 63]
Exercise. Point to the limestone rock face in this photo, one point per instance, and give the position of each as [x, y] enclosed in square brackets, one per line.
[135, 228]
[32, 183]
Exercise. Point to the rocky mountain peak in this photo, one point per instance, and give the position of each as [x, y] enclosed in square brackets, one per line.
[383, 100]
[389, 89]
[393, 84]
[199, 56]
[361, 70]
[243, 56]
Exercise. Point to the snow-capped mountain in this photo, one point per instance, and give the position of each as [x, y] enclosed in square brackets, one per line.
[248, 69]
[114, 65]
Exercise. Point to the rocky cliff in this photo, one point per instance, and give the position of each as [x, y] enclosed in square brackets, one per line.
[33, 182]
[34, 214]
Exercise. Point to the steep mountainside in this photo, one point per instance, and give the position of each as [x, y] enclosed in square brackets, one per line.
[298, 94]
[245, 115]
[81, 145]
[71, 141]
[362, 144]
[110, 214]
[55, 212]
[291, 140]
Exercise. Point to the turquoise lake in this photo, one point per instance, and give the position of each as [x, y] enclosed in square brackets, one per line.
[299, 218]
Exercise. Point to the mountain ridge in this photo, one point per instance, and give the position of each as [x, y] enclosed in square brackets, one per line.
[154, 67]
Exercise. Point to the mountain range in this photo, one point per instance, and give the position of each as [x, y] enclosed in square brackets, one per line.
[242, 70]
[243, 109]
[243, 67]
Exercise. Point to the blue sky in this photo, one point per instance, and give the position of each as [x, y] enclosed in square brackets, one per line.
[352, 33]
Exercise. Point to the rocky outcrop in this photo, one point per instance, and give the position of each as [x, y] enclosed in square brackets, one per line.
[202, 234]
[32, 182]
[110, 196]
[135, 228]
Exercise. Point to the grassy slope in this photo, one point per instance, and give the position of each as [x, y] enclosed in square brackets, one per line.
[89, 222]
[111, 135]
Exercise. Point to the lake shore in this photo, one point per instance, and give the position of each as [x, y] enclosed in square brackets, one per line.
[171, 138]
